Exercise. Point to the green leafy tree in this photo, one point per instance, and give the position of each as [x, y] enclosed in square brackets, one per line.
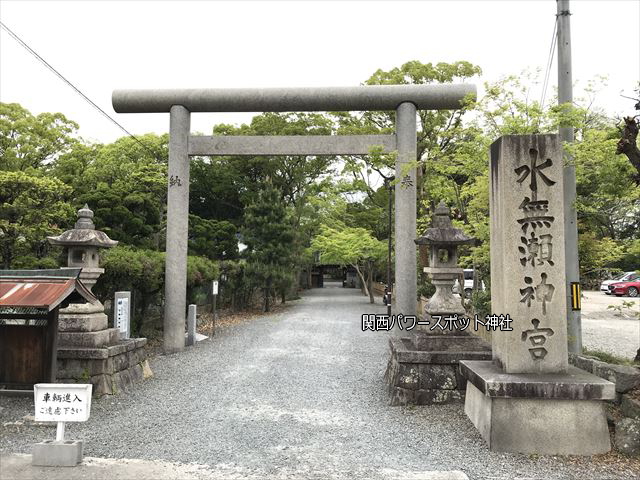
[31, 207]
[142, 271]
[139, 271]
[212, 239]
[215, 189]
[28, 141]
[268, 234]
[292, 176]
[125, 183]
[354, 247]
[437, 130]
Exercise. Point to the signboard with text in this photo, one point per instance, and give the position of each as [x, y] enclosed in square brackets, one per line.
[59, 402]
[122, 317]
[215, 287]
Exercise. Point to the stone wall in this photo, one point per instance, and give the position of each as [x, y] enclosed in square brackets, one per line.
[624, 414]
[423, 370]
[110, 369]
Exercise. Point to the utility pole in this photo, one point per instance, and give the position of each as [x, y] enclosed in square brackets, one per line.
[388, 290]
[565, 96]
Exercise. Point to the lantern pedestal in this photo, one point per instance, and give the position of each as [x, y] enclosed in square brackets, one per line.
[90, 352]
[423, 369]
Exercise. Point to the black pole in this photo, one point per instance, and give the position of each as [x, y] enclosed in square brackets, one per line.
[388, 185]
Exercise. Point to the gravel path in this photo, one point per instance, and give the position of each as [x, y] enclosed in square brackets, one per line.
[298, 394]
[608, 330]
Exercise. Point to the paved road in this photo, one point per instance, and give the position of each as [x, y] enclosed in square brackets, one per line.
[608, 330]
[298, 394]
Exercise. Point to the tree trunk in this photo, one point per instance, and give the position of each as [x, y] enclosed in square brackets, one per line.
[362, 280]
[267, 293]
[369, 284]
[628, 145]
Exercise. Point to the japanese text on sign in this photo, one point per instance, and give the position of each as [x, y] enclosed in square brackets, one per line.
[59, 402]
[492, 322]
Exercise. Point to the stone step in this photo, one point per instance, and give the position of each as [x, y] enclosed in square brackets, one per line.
[100, 338]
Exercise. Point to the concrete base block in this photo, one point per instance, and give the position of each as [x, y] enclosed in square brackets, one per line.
[52, 453]
[552, 425]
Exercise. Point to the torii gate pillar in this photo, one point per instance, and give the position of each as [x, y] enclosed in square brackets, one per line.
[406, 287]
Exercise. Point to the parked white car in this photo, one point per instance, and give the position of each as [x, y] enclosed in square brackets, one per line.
[468, 283]
[623, 277]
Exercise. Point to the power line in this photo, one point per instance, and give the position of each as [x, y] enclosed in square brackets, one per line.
[549, 63]
[93, 104]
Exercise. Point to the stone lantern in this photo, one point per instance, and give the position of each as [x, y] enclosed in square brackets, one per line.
[88, 350]
[423, 366]
[442, 241]
[82, 244]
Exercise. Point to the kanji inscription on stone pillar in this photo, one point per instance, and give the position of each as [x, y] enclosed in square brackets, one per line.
[528, 279]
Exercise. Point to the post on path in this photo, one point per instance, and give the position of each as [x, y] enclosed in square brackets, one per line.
[191, 325]
[213, 307]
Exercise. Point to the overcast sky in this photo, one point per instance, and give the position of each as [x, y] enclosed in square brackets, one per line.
[101, 46]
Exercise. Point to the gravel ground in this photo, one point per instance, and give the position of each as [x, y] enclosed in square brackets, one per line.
[608, 330]
[297, 394]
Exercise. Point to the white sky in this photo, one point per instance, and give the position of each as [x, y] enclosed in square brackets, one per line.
[101, 46]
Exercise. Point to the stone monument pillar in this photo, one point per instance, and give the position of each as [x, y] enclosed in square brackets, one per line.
[89, 351]
[423, 367]
[528, 399]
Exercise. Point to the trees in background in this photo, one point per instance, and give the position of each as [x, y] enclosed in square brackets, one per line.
[354, 247]
[31, 207]
[269, 236]
[283, 208]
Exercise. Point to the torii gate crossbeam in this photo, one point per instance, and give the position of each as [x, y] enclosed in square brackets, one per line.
[404, 99]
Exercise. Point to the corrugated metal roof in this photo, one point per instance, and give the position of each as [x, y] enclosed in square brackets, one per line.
[40, 292]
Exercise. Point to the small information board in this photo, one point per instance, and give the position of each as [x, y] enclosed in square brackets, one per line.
[122, 315]
[215, 287]
[60, 402]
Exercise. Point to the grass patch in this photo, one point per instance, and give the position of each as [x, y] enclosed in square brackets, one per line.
[608, 357]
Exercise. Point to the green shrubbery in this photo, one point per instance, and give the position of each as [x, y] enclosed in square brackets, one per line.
[141, 271]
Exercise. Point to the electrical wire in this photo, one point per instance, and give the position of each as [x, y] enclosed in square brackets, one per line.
[552, 51]
[87, 99]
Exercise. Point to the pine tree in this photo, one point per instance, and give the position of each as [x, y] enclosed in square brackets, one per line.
[268, 234]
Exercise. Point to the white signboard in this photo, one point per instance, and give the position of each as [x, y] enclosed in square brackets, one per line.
[215, 287]
[122, 313]
[60, 402]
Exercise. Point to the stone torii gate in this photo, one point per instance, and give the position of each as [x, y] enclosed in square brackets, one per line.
[404, 99]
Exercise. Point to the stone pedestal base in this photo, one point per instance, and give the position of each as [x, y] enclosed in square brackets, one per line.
[423, 370]
[551, 414]
[52, 453]
[110, 369]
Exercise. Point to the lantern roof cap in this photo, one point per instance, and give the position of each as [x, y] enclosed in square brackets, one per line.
[84, 233]
[442, 231]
